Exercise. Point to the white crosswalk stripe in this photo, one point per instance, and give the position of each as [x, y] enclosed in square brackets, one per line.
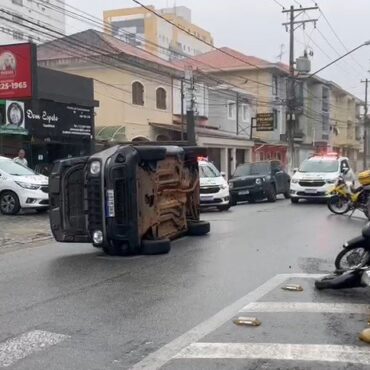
[276, 351]
[20, 347]
[307, 307]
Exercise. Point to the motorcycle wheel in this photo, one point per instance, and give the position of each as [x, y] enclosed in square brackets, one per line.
[352, 257]
[338, 204]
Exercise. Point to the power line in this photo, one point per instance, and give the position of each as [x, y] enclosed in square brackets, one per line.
[278, 3]
[339, 39]
[194, 36]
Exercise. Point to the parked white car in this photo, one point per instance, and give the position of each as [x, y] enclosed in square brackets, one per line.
[214, 189]
[21, 188]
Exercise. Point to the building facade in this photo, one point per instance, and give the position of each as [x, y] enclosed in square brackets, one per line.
[134, 88]
[45, 13]
[144, 29]
[265, 85]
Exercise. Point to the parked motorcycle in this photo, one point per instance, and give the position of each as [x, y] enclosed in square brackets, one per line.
[345, 198]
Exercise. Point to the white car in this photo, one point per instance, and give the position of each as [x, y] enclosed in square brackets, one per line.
[20, 187]
[214, 189]
[316, 177]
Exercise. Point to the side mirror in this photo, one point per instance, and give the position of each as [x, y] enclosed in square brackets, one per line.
[295, 170]
[223, 174]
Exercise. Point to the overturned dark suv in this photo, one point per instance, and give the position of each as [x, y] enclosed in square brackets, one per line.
[127, 199]
[260, 180]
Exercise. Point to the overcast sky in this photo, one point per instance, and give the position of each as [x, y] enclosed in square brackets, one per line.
[254, 28]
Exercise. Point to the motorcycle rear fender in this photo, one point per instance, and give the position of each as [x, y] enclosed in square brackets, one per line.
[358, 241]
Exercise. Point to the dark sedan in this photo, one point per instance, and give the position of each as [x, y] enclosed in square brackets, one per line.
[260, 180]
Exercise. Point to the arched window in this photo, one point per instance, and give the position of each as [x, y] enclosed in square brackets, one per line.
[137, 93]
[161, 98]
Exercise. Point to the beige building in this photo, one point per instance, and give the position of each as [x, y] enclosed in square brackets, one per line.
[144, 29]
[264, 82]
[134, 88]
[347, 136]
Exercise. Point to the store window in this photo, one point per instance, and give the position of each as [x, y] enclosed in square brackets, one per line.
[137, 93]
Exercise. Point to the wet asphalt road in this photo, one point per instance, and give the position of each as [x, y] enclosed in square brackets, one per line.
[114, 312]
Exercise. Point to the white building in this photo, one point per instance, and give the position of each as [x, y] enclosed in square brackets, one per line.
[44, 13]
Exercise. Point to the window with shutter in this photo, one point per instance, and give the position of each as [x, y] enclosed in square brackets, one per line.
[161, 98]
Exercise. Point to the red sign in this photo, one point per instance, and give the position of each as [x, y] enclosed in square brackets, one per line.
[16, 63]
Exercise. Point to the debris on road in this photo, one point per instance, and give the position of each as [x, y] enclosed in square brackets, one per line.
[293, 288]
[247, 321]
[365, 335]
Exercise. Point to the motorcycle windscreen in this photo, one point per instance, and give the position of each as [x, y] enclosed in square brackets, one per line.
[67, 201]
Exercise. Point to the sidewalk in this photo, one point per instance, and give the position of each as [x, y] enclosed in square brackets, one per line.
[23, 229]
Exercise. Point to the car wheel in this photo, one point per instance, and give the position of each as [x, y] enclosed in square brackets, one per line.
[155, 247]
[198, 228]
[9, 203]
[287, 195]
[251, 200]
[271, 196]
[224, 208]
[294, 200]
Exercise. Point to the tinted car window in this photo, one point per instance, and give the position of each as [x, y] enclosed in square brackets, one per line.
[247, 169]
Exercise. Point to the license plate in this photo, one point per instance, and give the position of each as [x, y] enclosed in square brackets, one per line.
[244, 192]
[206, 199]
[311, 191]
[110, 203]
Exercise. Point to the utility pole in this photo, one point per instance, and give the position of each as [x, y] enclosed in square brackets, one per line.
[190, 117]
[237, 113]
[366, 123]
[291, 26]
[182, 110]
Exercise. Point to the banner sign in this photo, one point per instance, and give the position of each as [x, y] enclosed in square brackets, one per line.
[14, 122]
[57, 120]
[265, 122]
[16, 71]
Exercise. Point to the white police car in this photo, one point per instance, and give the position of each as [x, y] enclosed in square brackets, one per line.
[214, 189]
[316, 177]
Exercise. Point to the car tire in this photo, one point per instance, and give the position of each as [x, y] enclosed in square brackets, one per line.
[294, 200]
[287, 195]
[271, 195]
[9, 203]
[151, 154]
[155, 247]
[224, 208]
[252, 200]
[198, 228]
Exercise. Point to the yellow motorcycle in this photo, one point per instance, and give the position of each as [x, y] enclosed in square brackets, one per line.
[344, 199]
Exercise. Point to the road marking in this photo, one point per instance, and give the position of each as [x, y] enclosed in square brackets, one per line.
[307, 307]
[160, 357]
[18, 348]
[276, 351]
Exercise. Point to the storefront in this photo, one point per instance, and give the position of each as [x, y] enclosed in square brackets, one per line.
[53, 118]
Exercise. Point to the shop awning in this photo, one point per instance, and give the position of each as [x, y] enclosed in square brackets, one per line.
[111, 133]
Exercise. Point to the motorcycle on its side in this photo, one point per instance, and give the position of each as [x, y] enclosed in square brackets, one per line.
[352, 265]
[344, 198]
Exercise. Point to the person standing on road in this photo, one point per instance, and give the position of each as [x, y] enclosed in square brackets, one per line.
[21, 159]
